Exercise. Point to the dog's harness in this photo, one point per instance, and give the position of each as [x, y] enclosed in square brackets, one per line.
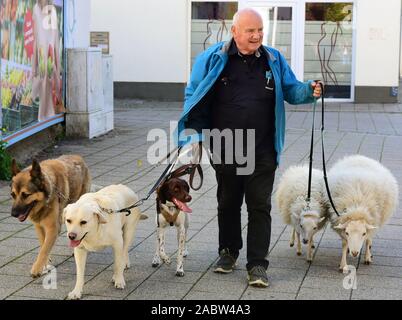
[168, 217]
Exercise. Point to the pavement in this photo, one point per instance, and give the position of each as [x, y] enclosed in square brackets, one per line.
[374, 130]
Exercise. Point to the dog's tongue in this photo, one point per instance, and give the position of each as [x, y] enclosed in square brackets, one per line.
[182, 206]
[74, 243]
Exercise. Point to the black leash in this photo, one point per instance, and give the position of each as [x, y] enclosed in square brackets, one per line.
[310, 167]
[324, 168]
[165, 173]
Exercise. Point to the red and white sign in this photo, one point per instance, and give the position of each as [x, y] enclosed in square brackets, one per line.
[28, 34]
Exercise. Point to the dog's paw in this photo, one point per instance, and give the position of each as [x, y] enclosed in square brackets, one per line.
[179, 273]
[74, 295]
[119, 282]
[37, 270]
[299, 253]
[156, 261]
[167, 260]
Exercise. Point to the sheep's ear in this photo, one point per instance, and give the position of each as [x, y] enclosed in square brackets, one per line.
[370, 227]
[340, 226]
[322, 219]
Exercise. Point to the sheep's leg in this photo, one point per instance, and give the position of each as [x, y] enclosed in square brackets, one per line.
[310, 250]
[368, 258]
[292, 238]
[299, 249]
[344, 252]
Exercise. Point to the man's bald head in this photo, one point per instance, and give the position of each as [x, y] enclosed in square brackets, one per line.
[245, 14]
[247, 30]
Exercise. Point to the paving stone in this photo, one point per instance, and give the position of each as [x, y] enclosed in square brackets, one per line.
[323, 294]
[350, 128]
[377, 294]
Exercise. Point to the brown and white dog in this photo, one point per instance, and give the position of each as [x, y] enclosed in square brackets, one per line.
[41, 192]
[172, 209]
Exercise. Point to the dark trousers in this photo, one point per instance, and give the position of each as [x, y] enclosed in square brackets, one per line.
[257, 189]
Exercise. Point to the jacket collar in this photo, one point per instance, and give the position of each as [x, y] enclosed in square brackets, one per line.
[227, 46]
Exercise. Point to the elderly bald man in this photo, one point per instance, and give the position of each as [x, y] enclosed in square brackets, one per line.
[242, 85]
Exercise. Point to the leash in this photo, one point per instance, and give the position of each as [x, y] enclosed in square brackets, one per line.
[158, 182]
[324, 167]
[310, 167]
[167, 174]
[190, 169]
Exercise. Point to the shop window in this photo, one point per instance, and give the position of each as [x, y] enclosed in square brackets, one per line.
[210, 24]
[31, 62]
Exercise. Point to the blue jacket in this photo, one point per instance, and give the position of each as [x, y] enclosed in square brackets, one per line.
[206, 70]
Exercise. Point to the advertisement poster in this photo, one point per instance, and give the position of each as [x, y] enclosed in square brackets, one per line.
[31, 62]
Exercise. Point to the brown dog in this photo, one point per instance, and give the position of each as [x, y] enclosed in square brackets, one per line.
[171, 206]
[41, 192]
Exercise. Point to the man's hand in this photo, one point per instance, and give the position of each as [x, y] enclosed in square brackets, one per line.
[317, 89]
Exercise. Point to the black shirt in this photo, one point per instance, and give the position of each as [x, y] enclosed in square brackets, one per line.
[244, 98]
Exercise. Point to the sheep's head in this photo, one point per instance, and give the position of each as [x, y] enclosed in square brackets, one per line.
[307, 225]
[355, 232]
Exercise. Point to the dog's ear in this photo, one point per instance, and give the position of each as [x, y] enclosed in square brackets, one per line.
[101, 215]
[63, 215]
[162, 192]
[14, 168]
[36, 174]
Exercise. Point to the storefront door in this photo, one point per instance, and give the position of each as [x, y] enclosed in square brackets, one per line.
[316, 38]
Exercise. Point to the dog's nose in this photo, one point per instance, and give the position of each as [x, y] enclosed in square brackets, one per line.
[355, 253]
[305, 241]
[188, 198]
[72, 236]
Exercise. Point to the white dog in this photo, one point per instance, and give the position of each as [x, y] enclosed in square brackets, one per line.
[93, 223]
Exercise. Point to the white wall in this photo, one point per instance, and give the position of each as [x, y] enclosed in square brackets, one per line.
[77, 23]
[377, 43]
[148, 39]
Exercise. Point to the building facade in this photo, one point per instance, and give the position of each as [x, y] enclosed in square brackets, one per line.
[352, 45]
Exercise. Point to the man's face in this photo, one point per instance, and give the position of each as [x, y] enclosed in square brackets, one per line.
[248, 33]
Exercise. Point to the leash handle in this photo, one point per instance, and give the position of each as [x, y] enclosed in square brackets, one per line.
[324, 167]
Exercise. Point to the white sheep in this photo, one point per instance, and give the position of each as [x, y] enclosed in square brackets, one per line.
[365, 194]
[291, 202]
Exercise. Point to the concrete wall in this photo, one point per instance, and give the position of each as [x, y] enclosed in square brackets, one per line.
[148, 39]
[377, 43]
[77, 23]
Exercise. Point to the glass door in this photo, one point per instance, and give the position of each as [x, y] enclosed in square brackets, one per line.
[328, 44]
[279, 27]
